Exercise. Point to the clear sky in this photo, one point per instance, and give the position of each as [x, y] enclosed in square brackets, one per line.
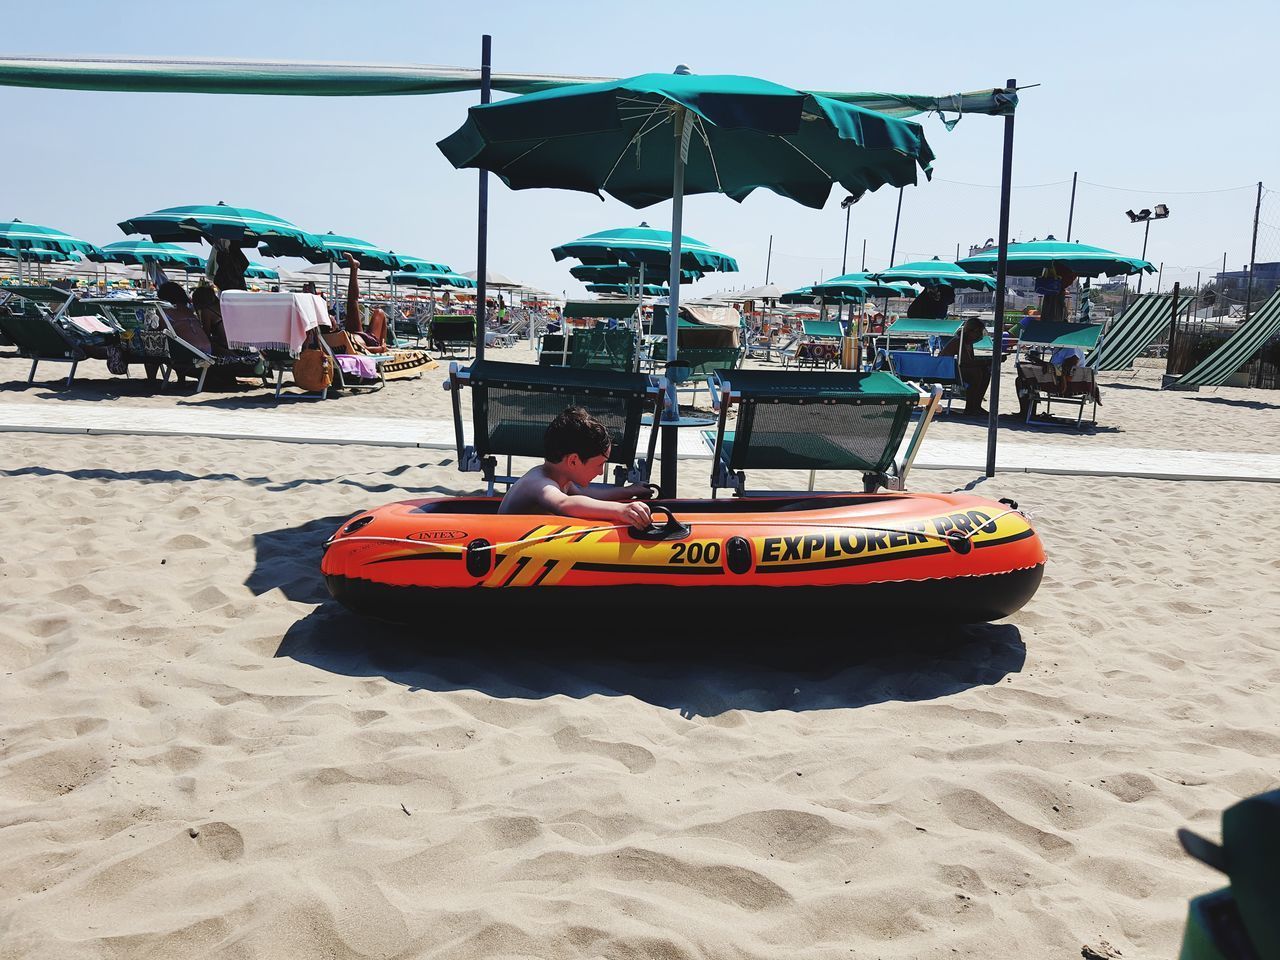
[1150, 101]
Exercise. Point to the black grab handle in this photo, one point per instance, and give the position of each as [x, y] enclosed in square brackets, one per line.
[673, 529]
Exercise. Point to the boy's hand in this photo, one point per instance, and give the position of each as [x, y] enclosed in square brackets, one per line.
[638, 491]
[637, 515]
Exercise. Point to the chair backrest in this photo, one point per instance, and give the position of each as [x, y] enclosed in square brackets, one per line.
[823, 329]
[703, 360]
[924, 367]
[514, 403]
[37, 338]
[603, 349]
[453, 329]
[818, 421]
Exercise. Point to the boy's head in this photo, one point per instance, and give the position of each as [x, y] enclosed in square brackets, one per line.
[578, 442]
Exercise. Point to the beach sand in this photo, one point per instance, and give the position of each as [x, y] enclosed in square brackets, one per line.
[200, 755]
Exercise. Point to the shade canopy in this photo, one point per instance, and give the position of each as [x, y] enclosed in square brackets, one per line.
[35, 255]
[860, 286]
[935, 273]
[810, 295]
[496, 280]
[628, 289]
[241, 226]
[746, 134]
[418, 265]
[332, 248]
[422, 278]
[647, 245]
[1031, 258]
[143, 252]
[17, 235]
[260, 271]
[625, 273]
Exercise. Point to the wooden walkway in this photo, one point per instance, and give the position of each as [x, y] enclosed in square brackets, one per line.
[298, 427]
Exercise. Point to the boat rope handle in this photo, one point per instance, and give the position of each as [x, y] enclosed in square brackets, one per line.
[579, 531]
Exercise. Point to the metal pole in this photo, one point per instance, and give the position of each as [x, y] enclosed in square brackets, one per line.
[1002, 271]
[1253, 254]
[768, 263]
[1160, 276]
[671, 411]
[893, 248]
[1145, 233]
[482, 225]
[864, 255]
[1071, 213]
[1173, 331]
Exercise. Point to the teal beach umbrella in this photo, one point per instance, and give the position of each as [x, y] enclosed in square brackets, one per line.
[648, 290]
[242, 226]
[21, 237]
[861, 285]
[647, 246]
[145, 252]
[418, 265]
[935, 272]
[623, 273]
[1032, 258]
[419, 278]
[661, 136]
[259, 271]
[332, 248]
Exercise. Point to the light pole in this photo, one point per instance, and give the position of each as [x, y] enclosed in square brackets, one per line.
[847, 205]
[1145, 216]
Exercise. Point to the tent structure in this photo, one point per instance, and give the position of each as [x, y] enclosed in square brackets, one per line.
[1136, 329]
[1214, 369]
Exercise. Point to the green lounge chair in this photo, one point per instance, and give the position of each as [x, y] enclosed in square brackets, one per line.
[33, 319]
[818, 421]
[512, 404]
[1214, 369]
[449, 333]
[1079, 389]
[603, 350]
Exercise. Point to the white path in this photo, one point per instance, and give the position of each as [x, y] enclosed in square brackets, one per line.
[299, 427]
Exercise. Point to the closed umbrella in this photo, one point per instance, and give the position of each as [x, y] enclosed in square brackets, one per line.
[660, 136]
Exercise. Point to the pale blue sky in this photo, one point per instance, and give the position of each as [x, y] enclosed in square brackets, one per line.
[1166, 100]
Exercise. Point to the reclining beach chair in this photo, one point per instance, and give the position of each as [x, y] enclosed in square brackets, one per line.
[512, 404]
[450, 333]
[1078, 389]
[40, 322]
[603, 350]
[818, 421]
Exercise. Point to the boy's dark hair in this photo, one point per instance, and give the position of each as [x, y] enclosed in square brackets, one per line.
[170, 292]
[575, 431]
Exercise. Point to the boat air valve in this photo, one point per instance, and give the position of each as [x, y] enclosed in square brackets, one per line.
[479, 557]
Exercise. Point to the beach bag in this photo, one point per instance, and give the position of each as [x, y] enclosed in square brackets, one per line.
[313, 370]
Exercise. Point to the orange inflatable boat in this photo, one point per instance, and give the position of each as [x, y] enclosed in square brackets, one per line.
[943, 558]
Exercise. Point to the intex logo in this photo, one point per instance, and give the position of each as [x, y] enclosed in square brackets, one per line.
[438, 535]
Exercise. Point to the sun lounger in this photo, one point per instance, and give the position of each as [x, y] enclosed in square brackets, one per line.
[450, 333]
[818, 421]
[1214, 369]
[36, 320]
[1050, 385]
[512, 404]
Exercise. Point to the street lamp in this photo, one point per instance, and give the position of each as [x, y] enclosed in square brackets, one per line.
[1145, 216]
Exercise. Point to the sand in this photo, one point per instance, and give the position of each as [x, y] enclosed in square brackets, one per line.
[202, 756]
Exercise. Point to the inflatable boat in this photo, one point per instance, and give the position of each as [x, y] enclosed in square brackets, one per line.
[932, 557]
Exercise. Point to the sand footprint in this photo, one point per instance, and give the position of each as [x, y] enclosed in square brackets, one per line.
[636, 759]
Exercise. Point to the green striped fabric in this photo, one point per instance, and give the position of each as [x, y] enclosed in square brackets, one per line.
[1135, 330]
[1214, 369]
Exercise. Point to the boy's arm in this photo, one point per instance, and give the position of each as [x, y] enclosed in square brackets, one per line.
[588, 507]
[608, 491]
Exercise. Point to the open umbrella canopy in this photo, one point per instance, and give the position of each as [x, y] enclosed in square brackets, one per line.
[935, 272]
[499, 281]
[644, 244]
[332, 247]
[1031, 258]
[861, 286]
[259, 271]
[422, 278]
[27, 236]
[811, 295]
[649, 289]
[418, 265]
[747, 133]
[624, 273]
[240, 225]
[143, 252]
[35, 255]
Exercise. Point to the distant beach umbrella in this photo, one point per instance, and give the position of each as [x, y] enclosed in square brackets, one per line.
[241, 226]
[645, 245]
[418, 265]
[332, 248]
[20, 236]
[935, 272]
[649, 289]
[624, 273]
[1032, 258]
[421, 278]
[862, 285]
[145, 252]
[259, 271]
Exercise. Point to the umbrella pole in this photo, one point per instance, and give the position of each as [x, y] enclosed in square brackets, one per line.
[1002, 272]
[482, 225]
[671, 410]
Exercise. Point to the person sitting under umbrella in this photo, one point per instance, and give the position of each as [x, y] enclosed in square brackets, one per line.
[974, 372]
[932, 303]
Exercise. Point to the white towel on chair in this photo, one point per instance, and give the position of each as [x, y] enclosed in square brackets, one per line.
[271, 321]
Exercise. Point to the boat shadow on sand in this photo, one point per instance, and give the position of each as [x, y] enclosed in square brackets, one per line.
[701, 664]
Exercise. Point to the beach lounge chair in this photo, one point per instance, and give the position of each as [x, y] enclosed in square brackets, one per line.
[1048, 385]
[512, 404]
[449, 333]
[1214, 369]
[38, 320]
[818, 421]
[1124, 338]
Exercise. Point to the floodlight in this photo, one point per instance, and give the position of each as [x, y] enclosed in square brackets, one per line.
[1133, 217]
[1162, 211]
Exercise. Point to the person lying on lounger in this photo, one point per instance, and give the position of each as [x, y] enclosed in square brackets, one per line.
[576, 450]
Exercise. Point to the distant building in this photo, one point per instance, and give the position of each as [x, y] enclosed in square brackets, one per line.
[1233, 283]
